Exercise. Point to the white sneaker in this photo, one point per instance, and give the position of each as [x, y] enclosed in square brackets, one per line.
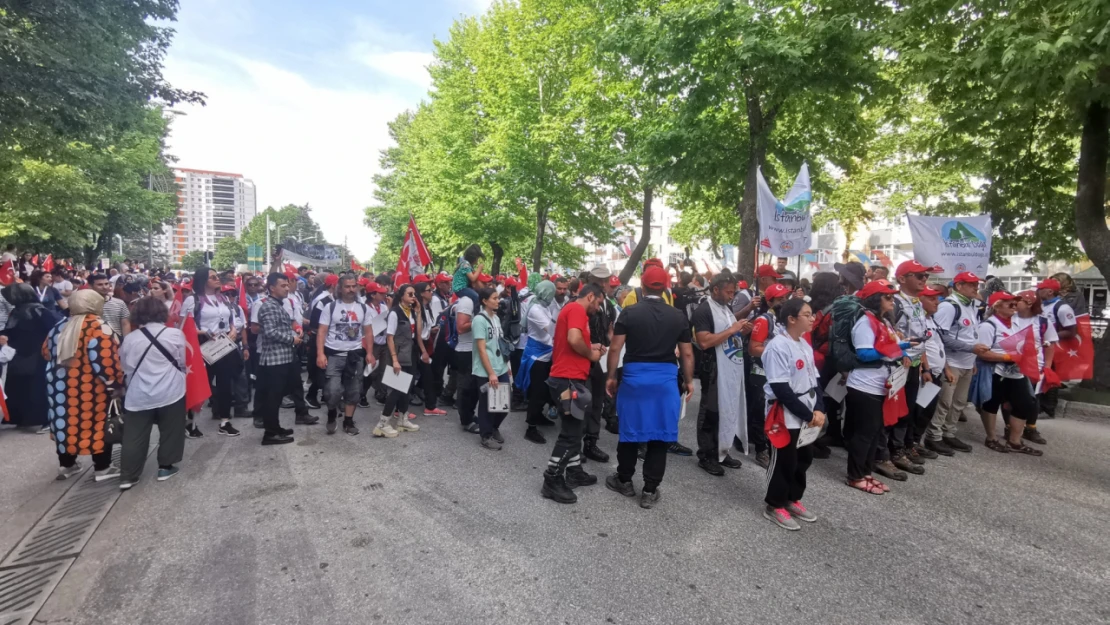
[408, 426]
[110, 473]
[384, 430]
[64, 473]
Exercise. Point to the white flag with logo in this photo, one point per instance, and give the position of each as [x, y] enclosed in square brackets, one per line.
[957, 244]
[784, 227]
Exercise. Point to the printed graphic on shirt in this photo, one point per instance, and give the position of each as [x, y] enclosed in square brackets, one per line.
[346, 323]
[734, 348]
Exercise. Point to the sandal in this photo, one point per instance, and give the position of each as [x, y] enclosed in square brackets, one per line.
[996, 445]
[1025, 449]
[870, 478]
[866, 486]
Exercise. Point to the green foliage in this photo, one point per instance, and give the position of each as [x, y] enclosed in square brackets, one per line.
[229, 253]
[295, 222]
[193, 260]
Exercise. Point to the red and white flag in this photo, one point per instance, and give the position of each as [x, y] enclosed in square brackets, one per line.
[4, 405]
[1022, 347]
[48, 264]
[7, 273]
[414, 255]
[522, 273]
[197, 389]
[1074, 358]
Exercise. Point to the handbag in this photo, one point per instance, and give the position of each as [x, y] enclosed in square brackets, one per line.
[215, 349]
[113, 425]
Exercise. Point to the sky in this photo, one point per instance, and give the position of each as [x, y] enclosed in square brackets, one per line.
[299, 95]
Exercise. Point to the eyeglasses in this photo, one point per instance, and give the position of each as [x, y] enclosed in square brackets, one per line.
[805, 314]
[919, 276]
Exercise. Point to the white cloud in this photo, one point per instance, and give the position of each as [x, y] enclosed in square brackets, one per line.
[298, 141]
[405, 65]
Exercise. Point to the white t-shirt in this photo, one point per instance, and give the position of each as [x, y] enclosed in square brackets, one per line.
[541, 327]
[346, 325]
[555, 307]
[992, 332]
[465, 306]
[1049, 337]
[872, 379]
[438, 305]
[934, 349]
[215, 315]
[1065, 313]
[964, 327]
[64, 287]
[787, 360]
[375, 310]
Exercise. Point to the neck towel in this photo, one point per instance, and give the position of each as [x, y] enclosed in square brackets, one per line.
[731, 405]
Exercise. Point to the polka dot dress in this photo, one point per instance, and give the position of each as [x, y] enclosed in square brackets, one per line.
[79, 392]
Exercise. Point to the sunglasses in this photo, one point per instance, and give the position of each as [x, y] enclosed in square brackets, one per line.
[919, 276]
[888, 298]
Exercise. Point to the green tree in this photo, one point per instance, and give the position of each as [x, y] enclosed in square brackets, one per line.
[229, 253]
[193, 260]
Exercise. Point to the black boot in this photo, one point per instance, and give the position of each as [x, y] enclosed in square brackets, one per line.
[577, 476]
[555, 488]
[820, 451]
[612, 426]
[590, 450]
[533, 434]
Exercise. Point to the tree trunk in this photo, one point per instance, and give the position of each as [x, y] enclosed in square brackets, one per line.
[759, 129]
[498, 252]
[645, 238]
[541, 227]
[1090, 196]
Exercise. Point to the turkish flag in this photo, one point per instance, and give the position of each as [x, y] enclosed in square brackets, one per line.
[522, 272]
[357, 267]
[414, 255]
[4, 405]
[35, 260]
[197, 389]
[895, 407]
[7, 273]
[1075, 357]
[1022, 347]
[242, 294]
[48, 264]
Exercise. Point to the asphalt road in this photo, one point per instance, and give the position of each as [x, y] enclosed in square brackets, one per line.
[431, 528]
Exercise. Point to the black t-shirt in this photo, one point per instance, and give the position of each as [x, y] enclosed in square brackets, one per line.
[600, 322]
[702, 320]
[652, 330]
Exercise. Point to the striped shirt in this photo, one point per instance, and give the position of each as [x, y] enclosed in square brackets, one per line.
[115, 311]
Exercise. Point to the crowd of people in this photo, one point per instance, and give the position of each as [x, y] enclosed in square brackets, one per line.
[785, 368]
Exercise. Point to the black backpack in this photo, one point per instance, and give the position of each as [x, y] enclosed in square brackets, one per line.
[846, 311]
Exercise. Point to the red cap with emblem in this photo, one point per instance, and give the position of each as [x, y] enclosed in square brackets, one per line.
[777, 290]
[966, 276]
[767, 271]
[1049, 283]
[1000, 296]
[875, 287]
[910, 266]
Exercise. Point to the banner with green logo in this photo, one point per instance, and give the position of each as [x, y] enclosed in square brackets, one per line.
[957, 244]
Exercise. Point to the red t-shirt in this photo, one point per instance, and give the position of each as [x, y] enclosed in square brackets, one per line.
[565, 362]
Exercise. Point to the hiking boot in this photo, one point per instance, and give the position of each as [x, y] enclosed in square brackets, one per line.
[781, 517]
[1033, 436]
[763, 458]
[591, 451]
[577, 476]
[731, 463]
[612, 426]
[614, 483]
[489, 443]
[679, 449]
[533, 434]
[925, 452]
[956, 444]
[648, 500]
[939, 447]
[711, 466]
[887, 469]
[306, 419]
[384, 430]
[914, 457]
[903, 462]
[798, 511]
[555, 488]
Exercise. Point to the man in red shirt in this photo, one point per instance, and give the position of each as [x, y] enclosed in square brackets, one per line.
[571, 357]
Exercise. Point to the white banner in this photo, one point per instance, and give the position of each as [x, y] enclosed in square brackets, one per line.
[955, 243]
[785, 228]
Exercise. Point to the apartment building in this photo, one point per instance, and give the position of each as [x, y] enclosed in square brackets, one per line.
[211, 205]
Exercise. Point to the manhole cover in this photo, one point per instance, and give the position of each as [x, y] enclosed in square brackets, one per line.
[23, 590]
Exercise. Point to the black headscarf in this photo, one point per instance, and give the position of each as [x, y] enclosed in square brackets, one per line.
[26, 302]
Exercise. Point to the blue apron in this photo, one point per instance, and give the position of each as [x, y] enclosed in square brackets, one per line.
[533, 349]
[648, 402]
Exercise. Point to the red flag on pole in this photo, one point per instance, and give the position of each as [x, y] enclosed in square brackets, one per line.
[1074, 358]
[1022, 347]
[414, 255]
[357, 267]
[242, 294]
[35, 260]
[7, 273]
[48, 264]
[522, 273]
[197, 390]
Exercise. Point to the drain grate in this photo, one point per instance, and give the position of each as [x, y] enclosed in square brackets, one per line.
[69, 524]
[23, 590]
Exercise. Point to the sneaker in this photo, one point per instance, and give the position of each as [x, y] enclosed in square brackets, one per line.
[415, 401]
[497, 436]
[577, 476]
[591, 451]
[276, 439]
[490, 443]
[259, 424]
[731, 463]
[903, 462]
[555, 488]
[711, 466]
[679, 449]
[763, 458]
[286, 431]
[64, 473]
[165, 474]
[614, 483]
[312, 401]
[887, 469]
[434, 412]
[407, 425]
[126, 485]
[333, 425]
[306, 419]
[192, 431]
[1033, 436]
[798, 511]
[349, 426]
[110, 473]
[43, 430]
[648, 500]
[533, 434]
[925, 452]
[383, 429]
[363, 402]
[287, 403]
[226, 429]
[957, 444]
[939, 447]
[471, 427]
[781, 517]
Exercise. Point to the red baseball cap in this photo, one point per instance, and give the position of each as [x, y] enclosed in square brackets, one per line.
[874, 287]
[775, 427]
[443, 277]
[910, 266]
[374, 287]
[966, 276]
[1000, 296]
[767, 271]
[331, 280]
[485, 277]
[422, 279]
[653, 262]
[511, 282]
[227, 287]
[743, 284]
[1049, 283]
[1029, 296]
[929, 292]
[655, 278]
[614, 281]
[777, 290]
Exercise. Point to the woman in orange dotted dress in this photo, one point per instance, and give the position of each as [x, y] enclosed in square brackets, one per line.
[83, 373]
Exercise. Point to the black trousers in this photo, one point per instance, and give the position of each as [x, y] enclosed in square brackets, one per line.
[274, 383]
[921, 416]
[101, 460]
[514, 366]
[1048, 402]
[441, 357]
[315, 374]
[786, 475]
[398, 401]
[753, 391]
[427, 382]
[708, 428]
[170, 420]
[488, 421]
[221, 375]
[863, 423]
[900, 435]
[597, 388]
[655, 463]
[538, 394]
[468, 393]
[568, 447]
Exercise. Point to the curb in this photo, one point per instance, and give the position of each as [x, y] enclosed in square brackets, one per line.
[1076, 409]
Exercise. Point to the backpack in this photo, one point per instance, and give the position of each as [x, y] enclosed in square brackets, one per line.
[846, 311]
[448, 329]
[314, 316]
